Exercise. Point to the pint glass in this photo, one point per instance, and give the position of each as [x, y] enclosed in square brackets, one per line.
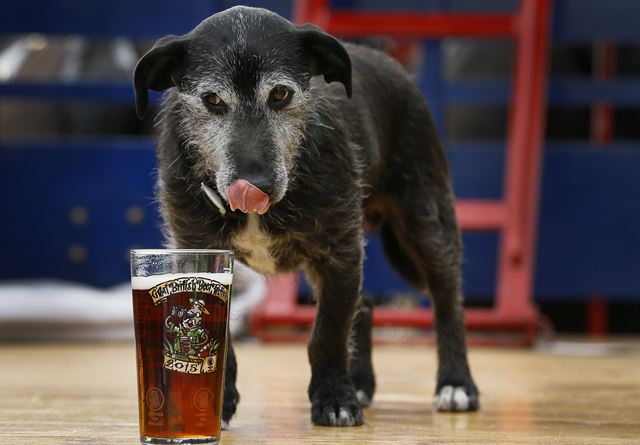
[181, 317]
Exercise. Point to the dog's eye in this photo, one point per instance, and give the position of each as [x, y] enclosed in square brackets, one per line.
[279, 97]
[279, 94]
[214, 99]
[214, 103]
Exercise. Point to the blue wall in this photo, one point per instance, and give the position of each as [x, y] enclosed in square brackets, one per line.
[589, 240]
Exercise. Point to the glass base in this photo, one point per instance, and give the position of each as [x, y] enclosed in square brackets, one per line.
[213, 440]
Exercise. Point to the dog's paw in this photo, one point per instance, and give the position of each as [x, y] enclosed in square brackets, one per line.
[337, 409]
[456, 398]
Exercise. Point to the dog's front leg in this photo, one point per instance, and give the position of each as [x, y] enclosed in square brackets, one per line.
[337, 284]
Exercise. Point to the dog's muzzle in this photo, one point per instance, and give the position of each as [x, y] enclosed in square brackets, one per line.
[246, 197]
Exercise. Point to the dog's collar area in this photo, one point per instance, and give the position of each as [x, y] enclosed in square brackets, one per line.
[214, 198]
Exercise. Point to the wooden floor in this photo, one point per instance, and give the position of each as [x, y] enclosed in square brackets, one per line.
[85, 394]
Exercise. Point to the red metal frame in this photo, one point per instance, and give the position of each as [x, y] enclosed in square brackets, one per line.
[515, 216]
[602, 132]
[604, 68]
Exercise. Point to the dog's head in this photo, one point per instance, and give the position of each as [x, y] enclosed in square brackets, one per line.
[242, 79]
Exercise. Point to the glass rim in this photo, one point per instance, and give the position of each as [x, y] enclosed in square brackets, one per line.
[140, 252]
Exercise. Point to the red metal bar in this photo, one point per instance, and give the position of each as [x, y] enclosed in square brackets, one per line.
[604, 66]
[355, 24]
[522, 176]
[349, 23]
[602, 133]
[312, 11]
[597, 317]
[480, 215]
[281, 298]
[475, 318]
[486, 339]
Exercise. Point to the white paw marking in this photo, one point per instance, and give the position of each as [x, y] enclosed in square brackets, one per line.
[344, 417]
[451, 399]
[460, 399]
[363, 399]
[224, 425]
[332, 418]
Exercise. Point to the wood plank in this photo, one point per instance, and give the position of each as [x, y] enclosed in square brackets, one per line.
[86, 394]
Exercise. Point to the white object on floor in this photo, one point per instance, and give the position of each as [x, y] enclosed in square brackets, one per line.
[55, 310]
[47, 309]
[249, 288]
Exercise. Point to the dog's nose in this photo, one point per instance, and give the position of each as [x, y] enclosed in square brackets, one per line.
[253, 170]
[262, 182]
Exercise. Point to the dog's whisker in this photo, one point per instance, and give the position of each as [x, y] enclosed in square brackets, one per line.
[174, 161]
[320, 124]
[214, 197]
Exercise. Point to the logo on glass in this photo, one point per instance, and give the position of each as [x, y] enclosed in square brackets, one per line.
[155, 399]
[203, 399]
[187, 346]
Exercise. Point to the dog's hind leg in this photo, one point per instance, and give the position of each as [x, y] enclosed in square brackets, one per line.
[360, 366]
[422, 241]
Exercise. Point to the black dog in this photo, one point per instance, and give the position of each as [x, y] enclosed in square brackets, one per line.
[300, 164]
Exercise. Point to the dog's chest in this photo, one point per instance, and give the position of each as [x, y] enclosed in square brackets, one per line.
[255, 246]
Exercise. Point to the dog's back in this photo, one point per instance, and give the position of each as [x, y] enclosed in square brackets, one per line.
[391, 126]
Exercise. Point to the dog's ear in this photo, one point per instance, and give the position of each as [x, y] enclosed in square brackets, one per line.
[325, 55]
[160, 68]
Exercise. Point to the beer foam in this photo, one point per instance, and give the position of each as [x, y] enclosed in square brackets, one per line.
[154, 280]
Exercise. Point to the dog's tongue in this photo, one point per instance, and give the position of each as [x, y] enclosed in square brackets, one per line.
[247, 197]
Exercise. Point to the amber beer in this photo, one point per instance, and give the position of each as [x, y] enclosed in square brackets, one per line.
[181, 324]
